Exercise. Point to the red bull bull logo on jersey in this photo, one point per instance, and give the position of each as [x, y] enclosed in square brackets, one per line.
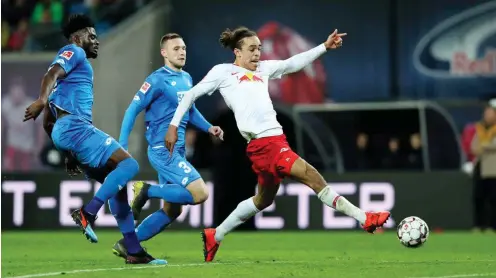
[250, 77]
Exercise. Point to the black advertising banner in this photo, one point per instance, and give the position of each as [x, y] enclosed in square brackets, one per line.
[442, 199]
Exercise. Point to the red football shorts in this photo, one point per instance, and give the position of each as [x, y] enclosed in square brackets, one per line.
[272, 159]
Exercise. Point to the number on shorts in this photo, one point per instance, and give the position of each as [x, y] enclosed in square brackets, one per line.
[184, 181]
[184, 166]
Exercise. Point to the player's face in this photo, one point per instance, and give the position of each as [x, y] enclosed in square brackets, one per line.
[249, 54]
[175, 52]
[90, 43]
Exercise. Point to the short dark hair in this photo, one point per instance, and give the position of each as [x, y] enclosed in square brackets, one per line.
[169, 36]
[232, 38]
[75, 23]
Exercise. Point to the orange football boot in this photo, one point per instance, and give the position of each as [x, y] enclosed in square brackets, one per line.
[210, 245]
[375, 220]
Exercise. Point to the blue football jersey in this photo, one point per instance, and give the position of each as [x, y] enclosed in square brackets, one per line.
[159, 96]
[74, 93]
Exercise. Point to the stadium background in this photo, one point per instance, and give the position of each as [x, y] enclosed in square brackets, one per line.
[393, 84]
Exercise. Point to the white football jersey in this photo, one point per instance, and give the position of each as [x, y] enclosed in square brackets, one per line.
[247, 92]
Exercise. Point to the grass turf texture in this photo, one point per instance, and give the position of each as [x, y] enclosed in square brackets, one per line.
[255, 254]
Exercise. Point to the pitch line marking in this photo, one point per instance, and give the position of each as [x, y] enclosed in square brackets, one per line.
[57, 273]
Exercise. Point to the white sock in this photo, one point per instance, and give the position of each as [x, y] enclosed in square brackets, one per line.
[243, 212]
[329, 197]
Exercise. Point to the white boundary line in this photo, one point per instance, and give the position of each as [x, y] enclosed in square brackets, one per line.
[129, 267]
[49, 274]
[438, 261]
[461, 275]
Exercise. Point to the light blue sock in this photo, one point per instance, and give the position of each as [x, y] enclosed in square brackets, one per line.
[171, 193]
[118, 178]
[152, 225]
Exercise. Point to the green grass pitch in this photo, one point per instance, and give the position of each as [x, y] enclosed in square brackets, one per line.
[254, 255]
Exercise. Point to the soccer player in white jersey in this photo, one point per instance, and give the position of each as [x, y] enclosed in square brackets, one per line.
[244, 87]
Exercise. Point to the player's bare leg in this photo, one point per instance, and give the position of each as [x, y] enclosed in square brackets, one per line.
[244, 211]
[198, 190]
[305, 173]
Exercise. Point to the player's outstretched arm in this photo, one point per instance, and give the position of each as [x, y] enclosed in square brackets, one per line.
[211, 82]
[47, 84]
[301, 60]
[142, 99]
[128, 123]
[185, 104]
[196, 118]
[60, 67]
[189, 98]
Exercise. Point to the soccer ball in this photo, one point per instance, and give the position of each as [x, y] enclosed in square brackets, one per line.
[413, 232]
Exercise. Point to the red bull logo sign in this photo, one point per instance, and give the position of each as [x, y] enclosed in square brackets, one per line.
[250, 77]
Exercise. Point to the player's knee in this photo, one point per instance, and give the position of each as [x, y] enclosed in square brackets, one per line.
[172, 210]
[201, 198]
[131, 166]
[200, 195]
[262, 202]
[199, 191]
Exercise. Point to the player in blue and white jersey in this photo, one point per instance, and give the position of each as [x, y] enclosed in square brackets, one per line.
[180, 182]
[67, 97]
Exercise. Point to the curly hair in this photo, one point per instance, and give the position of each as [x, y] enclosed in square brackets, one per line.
[233, 38]
[76, 22]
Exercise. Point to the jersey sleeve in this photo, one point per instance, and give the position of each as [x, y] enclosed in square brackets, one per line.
[69, 58]
[146, 93]
[209, 84]
[196, 118]
[141, 100]
[277, 68]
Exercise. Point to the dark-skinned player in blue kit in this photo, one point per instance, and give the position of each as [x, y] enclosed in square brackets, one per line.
[67, 98]
[180, 183]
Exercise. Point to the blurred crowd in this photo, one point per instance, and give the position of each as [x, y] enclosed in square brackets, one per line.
[394, 153]
[34, 25]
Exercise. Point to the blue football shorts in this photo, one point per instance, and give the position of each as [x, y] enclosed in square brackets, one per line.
[89, 145]
[175, 169]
